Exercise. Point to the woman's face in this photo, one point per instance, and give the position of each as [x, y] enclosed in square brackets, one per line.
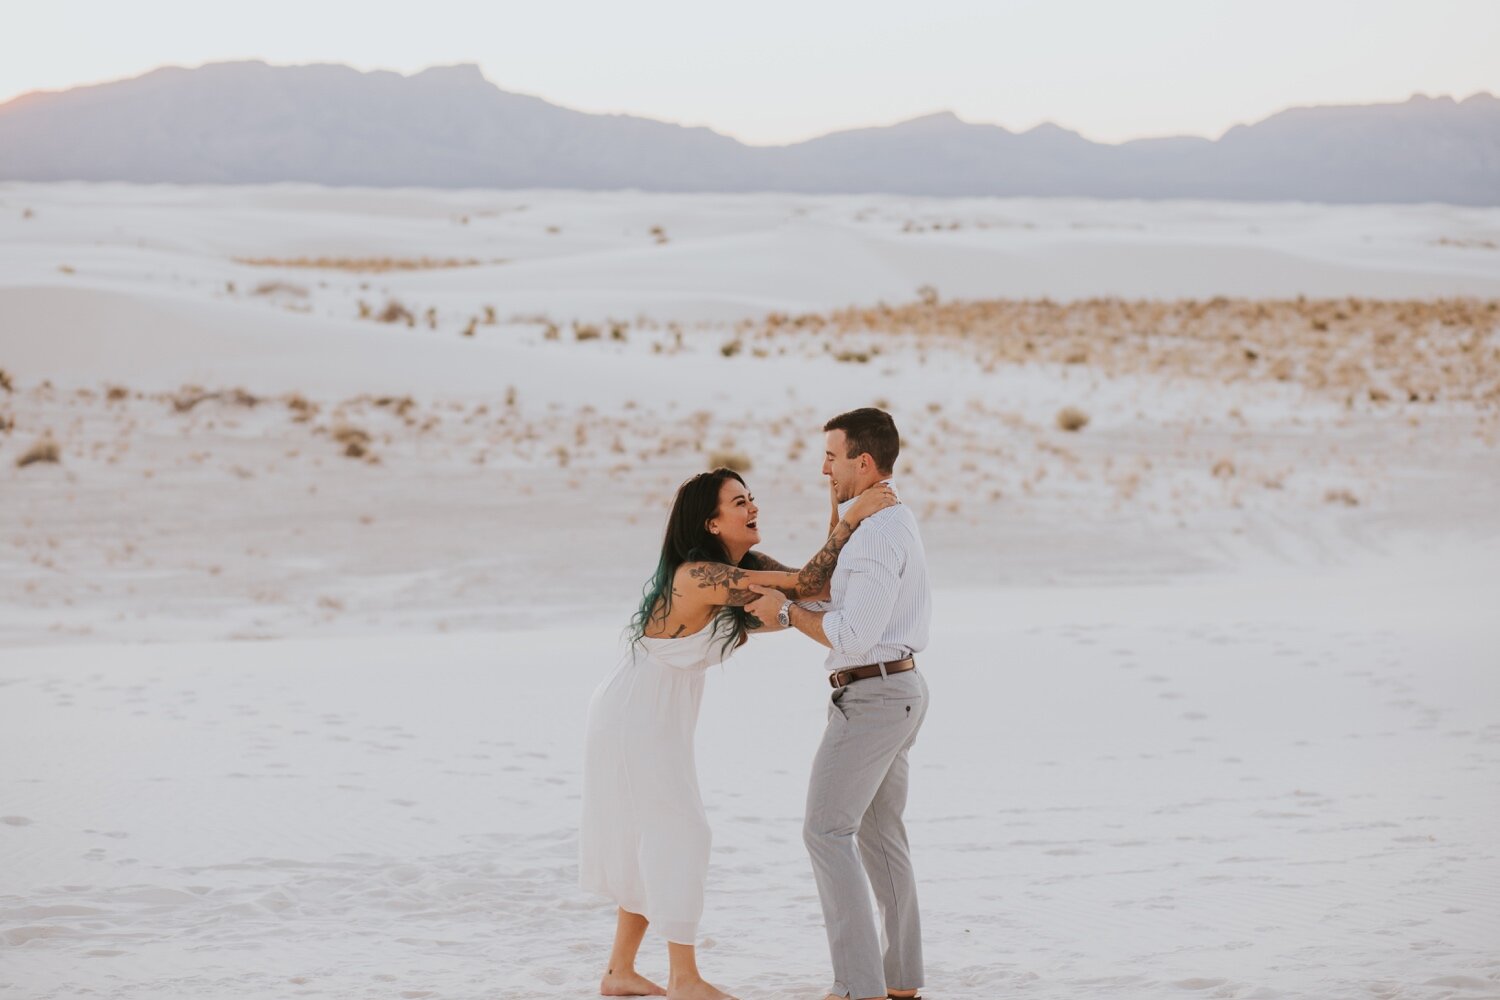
[736, 523]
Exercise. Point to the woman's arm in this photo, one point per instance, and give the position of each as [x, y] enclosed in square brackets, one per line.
[711, 583]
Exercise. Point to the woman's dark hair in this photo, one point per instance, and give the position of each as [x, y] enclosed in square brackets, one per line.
[688, 540]
[869, 430]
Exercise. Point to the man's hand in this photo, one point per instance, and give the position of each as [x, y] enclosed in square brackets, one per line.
[767, 606]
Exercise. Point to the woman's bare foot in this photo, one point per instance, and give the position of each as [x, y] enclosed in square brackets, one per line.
[628, 984]
[698, 989]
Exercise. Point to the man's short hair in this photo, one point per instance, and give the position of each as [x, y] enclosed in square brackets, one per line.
[869, 430]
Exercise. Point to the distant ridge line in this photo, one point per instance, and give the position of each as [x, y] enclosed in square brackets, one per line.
[447, 126]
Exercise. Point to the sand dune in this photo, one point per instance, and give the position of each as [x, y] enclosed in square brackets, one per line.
[296, 629]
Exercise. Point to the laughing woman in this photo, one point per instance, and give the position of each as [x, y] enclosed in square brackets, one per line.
[644, 840]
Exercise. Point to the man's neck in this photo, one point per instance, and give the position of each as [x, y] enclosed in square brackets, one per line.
[844, 504]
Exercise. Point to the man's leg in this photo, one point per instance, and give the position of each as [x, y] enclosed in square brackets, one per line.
[887, 858]
[866, 731]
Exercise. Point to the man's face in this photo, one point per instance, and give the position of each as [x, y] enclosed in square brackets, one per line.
[846, 473]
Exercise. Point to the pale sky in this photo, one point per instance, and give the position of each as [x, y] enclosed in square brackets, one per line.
[778, 71]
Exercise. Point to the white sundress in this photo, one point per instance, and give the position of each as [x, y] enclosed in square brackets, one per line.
[644, 838]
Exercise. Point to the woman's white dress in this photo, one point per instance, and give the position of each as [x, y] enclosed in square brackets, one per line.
[644, 840]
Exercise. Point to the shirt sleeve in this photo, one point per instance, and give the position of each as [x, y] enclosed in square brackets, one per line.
[855, 627]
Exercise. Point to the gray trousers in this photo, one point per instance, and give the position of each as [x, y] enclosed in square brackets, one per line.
[854, 832]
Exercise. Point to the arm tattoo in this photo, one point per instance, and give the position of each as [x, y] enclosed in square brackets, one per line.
[711, 575]
[813, 577]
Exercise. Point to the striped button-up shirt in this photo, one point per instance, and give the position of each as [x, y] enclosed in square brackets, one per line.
[879, 602]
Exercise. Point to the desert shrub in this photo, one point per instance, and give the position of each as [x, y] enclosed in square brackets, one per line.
[280, 288]
[401, 404]
[395, 312]
[302, 409]
[356, 442]
[729, 459]
[44, 450]
[1071, 418]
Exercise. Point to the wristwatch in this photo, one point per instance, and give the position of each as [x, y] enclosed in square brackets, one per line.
[784, 616]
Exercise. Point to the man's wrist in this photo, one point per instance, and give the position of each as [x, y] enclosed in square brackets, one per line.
[784, 615]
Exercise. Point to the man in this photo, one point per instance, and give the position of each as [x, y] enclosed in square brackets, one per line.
[876, 618]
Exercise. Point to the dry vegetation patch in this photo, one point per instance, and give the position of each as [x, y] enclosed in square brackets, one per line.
[1382, 351]
[283, 288]
[372, 265]
[190, 396]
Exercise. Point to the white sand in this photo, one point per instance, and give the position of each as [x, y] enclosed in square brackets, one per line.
[277, 722]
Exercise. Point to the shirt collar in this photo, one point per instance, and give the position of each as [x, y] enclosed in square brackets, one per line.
[844, 507]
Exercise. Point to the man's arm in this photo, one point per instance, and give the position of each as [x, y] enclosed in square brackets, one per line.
[854, 628]
[869, 597]
[809, 623]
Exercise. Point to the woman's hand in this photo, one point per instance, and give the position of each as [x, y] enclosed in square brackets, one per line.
[876, 498]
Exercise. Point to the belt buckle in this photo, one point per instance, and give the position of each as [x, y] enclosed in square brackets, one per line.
[833, 681]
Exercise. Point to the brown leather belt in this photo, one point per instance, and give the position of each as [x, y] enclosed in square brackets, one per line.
[842, 678]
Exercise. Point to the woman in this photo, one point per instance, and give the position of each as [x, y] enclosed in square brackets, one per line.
[644, 841]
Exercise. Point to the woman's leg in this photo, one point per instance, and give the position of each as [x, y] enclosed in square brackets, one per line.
[621, 979]
[684, 982]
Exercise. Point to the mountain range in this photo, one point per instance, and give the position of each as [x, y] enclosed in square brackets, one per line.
[249, 122]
